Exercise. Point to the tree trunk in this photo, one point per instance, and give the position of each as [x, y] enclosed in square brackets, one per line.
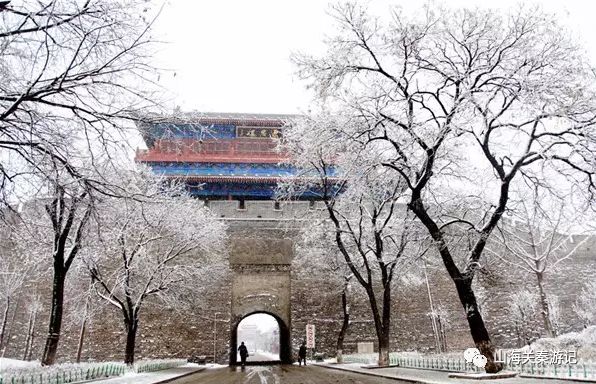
[344, 326]
[545, 310]
[382, 334]
[384, 352]
[131, 335]
[477, 327]
[32, 336]
[81, 339]
[11, 325]
[29, 340]
[51, 347]
[442, 335]
[386, 327]
[382, 323]
[4, 322]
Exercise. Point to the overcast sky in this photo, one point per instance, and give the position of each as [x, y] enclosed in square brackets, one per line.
[233, 55]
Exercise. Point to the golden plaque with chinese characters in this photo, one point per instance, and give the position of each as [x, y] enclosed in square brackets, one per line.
[259, 132]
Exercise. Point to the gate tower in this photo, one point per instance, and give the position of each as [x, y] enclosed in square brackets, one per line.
[231, 161]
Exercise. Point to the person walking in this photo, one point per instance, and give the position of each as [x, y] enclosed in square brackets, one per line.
[243, 353]
[302, 354]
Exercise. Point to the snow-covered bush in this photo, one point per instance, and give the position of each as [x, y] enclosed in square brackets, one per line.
[157, 365]
[583, 342]
[69, 373]
[522, 309]
[62, 373]
[585, 306]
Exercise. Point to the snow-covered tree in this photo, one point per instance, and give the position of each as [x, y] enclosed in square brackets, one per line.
[522, 309]
[536, 240]
[12, 278]
[83, 306]
[316, 257]
[460, 105]
[68, 209]
[13, 274]
[49, 233]
[150, 249]
[72, 72]
[370, 227]
[585, 305]
[34, 307]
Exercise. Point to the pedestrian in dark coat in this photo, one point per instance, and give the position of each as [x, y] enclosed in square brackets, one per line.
[302, 354]
[243, 353]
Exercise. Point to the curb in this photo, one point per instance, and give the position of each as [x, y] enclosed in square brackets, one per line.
[368, 372]
[100, 379]
[571, 379]
[200, 369]
[372, 373]
[484, 376]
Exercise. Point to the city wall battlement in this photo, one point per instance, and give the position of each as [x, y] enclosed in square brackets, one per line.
[265, 209]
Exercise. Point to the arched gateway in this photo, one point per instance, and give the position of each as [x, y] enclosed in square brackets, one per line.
[264, 347]
[260, 333]
[261, 281]
[231, 161]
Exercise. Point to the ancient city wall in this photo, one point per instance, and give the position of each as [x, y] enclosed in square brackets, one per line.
[260, 279]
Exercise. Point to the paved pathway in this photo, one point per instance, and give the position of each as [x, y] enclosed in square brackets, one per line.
[280, 374]
[164, 376]
[424, 376]
[262, 356]
[312, 374]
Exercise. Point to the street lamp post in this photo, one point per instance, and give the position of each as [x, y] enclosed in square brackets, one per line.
[215, 335]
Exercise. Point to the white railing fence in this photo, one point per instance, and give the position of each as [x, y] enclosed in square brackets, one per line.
[70, 373]
[581, 370]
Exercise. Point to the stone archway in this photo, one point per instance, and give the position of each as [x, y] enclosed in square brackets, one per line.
[285, 348]
[262, 291]
[260, 259]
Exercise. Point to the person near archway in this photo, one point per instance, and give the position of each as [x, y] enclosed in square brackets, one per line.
[302, 354]
[243, 353]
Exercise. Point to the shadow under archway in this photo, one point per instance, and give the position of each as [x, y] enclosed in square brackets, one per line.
[285, 349]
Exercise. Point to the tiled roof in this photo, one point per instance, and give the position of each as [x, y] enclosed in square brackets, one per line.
[251, 119]
[236, 179]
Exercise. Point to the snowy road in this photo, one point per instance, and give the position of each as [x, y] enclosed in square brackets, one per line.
[279, 374]
[262, 356]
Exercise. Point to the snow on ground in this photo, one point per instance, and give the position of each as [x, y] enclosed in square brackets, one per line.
[15, 364]
[583, 342]
[208, 365]
[268, 356]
